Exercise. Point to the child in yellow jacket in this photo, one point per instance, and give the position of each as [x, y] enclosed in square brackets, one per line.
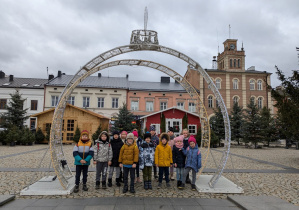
[163, 158]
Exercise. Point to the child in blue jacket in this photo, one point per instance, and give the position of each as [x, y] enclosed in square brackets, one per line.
[83, 153]
[193, 161]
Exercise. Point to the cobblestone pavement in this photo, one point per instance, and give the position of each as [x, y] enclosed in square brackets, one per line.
[257, 174]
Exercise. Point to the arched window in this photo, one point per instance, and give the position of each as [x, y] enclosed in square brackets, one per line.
[210, 101]
[218, 83]
[231, 62]
[260, 102]
[236, 99]
[238, 63]
[259, 84]
[235, 84]
[235, 63]
[252, 84]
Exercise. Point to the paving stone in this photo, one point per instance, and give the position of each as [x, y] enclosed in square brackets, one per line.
[188, 207]
[129, 201]
[47, 202]
[129, 207]
[158, 207]
[184, 201]
[214, 202]
[6, 198]
[100, 207]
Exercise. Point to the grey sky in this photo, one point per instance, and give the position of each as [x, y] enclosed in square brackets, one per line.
[64, 35]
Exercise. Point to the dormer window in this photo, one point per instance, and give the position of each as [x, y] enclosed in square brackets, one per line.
[24, 85]
[6, 84]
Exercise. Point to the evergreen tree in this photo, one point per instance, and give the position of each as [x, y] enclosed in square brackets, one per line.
[13, 134]
[198, 136]
[251, 128]
[96, 134]
[47, 137]
[217, 124]
[287, 103]
[27, 136]
[39, 135]
[77, 135]
[124, 120]
[268, 127]
[236, 122]
[185, 121]
[15, 114]
[163, 123]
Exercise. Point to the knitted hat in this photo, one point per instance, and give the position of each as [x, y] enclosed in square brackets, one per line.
[191, 138]
[181, 137]
[170, 129]
[152, 128]
[130, 136]
[135, 133]
[84, 132]
[115, 132]
[125, 132]
[147, 135]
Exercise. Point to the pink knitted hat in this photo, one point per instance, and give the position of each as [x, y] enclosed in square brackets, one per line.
[191, 138]
[135, 133]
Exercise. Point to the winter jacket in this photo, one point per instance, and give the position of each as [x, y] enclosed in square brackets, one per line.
[128, 154]
[155, 140]
[163, 154]
[193, 158]
[102, 151]
[185, 142]
[116, 145]
[146, 154]
[83, 151]
[178, 157]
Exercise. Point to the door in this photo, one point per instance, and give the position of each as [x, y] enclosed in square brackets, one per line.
[68, 130]
[176, 124]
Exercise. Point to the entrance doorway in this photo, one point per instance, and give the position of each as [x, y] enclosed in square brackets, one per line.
[68, 130]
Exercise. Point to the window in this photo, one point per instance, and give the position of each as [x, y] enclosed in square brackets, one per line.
[163, 105]
[149, 106]
[32, 123]
[218, 83]
[134, 105]
[236, 99]
[71, 100]
[238, 63]
[251, 82]
[210, 101]
[260, 102]
[180, 105]
[191, 107]
[259, 84]
[231, 63]
[115, 103]
[54, 100]
[192, 129]
[3, 103]
[70, 125]
[85, 102]
[47, 127]
[101, 102]
[69, 136]
[33, 104]
[235, 84]
[235, 63]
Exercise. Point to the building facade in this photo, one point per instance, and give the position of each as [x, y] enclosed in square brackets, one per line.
[31, 90]
[235, 84]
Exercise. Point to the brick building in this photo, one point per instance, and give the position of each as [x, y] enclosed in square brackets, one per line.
[234, 83]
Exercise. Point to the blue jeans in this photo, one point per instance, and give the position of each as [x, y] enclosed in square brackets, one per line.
[179, 174]
[163, 170]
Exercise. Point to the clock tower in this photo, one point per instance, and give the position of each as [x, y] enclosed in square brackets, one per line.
[231, 59]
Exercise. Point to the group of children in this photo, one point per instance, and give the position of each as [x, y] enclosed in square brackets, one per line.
[127, 154]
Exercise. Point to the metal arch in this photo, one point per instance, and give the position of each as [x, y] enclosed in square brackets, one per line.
[57, 155]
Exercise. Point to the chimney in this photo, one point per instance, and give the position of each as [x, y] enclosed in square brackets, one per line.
[99, 75]
[51, 76]
[165, 79]
[59, 74]
[2, 74]
[127, 76]
[10, 78]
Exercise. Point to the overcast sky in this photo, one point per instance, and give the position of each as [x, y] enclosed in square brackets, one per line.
[64, 35]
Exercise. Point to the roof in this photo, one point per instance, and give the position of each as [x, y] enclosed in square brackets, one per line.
[119, 83]
[23, 83]
[246, 71]
[167, 110]
[92, 81]
[75, 107]
[156, 86]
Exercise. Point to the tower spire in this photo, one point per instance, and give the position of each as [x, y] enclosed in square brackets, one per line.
[145, 18]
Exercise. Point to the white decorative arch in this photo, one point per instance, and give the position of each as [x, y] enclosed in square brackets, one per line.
[63, 172]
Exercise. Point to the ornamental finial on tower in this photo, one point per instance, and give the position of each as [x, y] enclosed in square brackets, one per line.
[144, 37]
